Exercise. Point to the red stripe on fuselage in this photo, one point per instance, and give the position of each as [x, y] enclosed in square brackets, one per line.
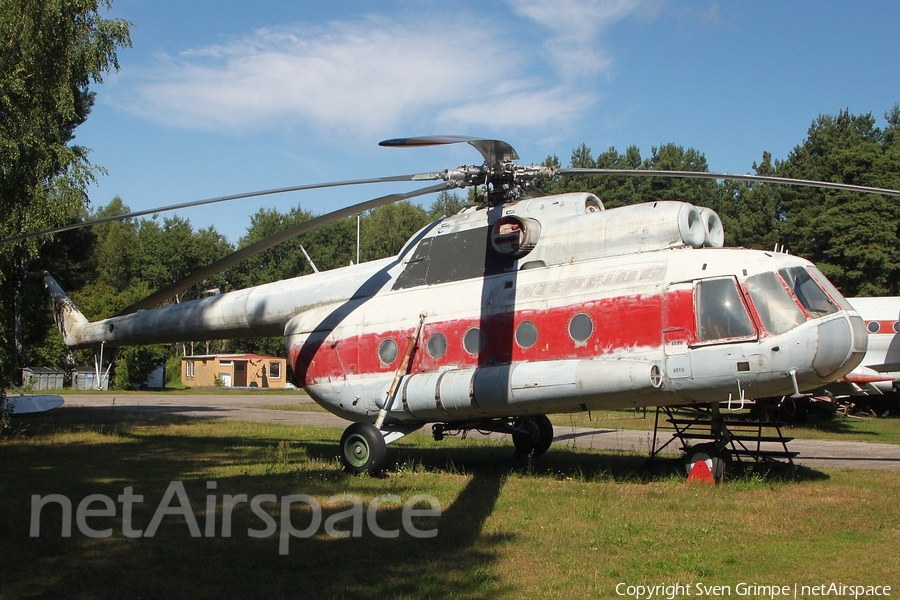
[882, 326]
[618, 324]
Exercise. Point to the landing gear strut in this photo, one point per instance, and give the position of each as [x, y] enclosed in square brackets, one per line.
[363, 449]
[531, 435]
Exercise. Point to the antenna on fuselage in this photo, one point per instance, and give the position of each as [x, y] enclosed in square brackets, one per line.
[308, 259]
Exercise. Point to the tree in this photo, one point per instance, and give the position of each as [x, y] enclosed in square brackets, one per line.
[446, 204]
[158, 255]
[852, 237]
[280, 262]
[615, 191]
[672, 157]
[750, 211]
[52, 51]
[170, 251]
[386, 229]
[329, 247]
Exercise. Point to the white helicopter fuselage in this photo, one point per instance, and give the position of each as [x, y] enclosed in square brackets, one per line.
[544, 306]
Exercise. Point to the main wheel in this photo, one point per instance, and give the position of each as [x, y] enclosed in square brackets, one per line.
[536, 437]
[363, 449]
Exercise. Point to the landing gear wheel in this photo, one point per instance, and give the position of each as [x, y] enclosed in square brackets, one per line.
[363, 449]
[538, 438]
[717, 461]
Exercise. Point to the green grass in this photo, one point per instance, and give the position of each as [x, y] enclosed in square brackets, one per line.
[571, 524]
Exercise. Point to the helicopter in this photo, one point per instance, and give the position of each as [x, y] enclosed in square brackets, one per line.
[518, 307]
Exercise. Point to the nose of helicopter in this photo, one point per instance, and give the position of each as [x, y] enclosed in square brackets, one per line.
[841, 346]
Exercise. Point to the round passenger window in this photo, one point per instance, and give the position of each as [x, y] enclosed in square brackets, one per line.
[526, 334]
[437, 346]
[387, 351]
[873, 326]
[473, 341]
[580, 328]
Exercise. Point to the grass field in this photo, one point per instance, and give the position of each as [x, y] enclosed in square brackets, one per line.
[572, 524]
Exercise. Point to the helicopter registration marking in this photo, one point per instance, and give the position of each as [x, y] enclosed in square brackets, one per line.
[590, 282]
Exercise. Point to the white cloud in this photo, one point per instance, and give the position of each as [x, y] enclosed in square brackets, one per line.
[354, 76]
[576, 18]
[576, 25]
[359, 77]
[518, 109]
[373, 74]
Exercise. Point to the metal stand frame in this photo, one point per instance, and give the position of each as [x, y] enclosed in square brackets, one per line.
[758, 441]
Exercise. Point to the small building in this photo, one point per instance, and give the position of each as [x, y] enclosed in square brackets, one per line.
[234, 370]
[43, 378]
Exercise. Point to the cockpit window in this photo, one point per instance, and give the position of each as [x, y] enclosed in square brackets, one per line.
[808, 292]
[721, 315]
[777, 310]
[830, 289]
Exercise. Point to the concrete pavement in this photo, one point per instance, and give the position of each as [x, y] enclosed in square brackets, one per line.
[246, 407]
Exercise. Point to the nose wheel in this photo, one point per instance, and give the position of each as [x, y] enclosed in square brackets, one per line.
[363, 449]
[717, 460]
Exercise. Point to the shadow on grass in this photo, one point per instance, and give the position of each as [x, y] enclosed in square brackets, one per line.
[82, 452]
[87, 452]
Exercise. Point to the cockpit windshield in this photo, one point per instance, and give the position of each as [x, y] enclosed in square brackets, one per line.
[808, 292]
[776, 309]
[778, 298]
[721, 314]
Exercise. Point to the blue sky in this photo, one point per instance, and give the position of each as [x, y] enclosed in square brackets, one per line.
[218, 97]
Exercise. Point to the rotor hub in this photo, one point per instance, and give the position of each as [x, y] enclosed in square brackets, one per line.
[503, 182]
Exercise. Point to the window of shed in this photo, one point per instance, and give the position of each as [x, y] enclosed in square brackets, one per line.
[274, 369]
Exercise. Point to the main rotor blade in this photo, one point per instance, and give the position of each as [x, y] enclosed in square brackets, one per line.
[752, 178]
[295, 188]
[495, 152]
[273, 240]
